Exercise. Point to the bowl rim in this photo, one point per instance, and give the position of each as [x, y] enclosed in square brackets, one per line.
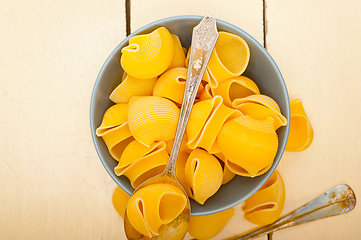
[191, 17]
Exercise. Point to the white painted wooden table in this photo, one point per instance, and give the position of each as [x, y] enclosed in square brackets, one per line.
[52, 184]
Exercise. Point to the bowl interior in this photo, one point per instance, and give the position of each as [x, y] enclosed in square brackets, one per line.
[261, 69]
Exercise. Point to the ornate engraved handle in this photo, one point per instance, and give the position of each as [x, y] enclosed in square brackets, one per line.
[204, 38]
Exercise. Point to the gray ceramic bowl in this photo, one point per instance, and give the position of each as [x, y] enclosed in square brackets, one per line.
[261, 69]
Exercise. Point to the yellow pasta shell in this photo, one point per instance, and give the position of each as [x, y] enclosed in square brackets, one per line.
[171, 84]
[186, 62]
[120, 200]
[228, 175]
[205, 122]
[146, 166]
[208, 226]
[154, 205]
[130, 87]
[179, 55]
[152, 119]
[115, 116]
[261, 107]
[235, 87]
[134, 151]
[117, 139]
[184, 51]
[249, 145]
[229, 58]
[206, 93]
[114, 129]
[266, 205]
[149, 55]
[301, 132]
[183, 147]
[203, 174]
[180, 172]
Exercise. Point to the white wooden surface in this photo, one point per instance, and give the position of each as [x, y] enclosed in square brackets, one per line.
[315, 44]
[246, 14]
[52, 183]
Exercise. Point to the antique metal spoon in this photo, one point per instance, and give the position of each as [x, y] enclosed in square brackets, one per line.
[338, 200]
[204, 38]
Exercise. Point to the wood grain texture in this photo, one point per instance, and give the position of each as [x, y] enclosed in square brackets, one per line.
[52, 183]
[315, 44]
[245, 14]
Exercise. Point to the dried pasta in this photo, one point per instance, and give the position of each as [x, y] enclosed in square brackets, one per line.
[228, 175]
[154, 205]
[206, 93]
[183, 147]
[229, 58]
[171, 84]
[152, 119]
[266, 205]
[249, 145]
[120, 200]
[140, 163]
[235, 88]
[205, 227]
[205, 121]
[149, 55]
[203, 174]
[130, 87]
[114, 129]
[231, 129]
[301, 132]
[179, 55]
[261, 107]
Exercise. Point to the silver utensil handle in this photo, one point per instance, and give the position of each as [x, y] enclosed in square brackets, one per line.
[338, 200]
[204, 38]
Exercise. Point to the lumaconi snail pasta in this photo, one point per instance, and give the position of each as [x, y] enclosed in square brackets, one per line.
[205, 227]
[301, 131]
[266, 205]
[155, 205]
[231, 124]
[231, 130]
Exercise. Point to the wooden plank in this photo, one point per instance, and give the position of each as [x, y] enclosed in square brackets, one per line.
[245, 14]
[53, 185]
[315, 44]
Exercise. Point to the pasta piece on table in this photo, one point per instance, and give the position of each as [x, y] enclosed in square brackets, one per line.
[266, 205]
[208, 226]
[301, 132]
[120, 200]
